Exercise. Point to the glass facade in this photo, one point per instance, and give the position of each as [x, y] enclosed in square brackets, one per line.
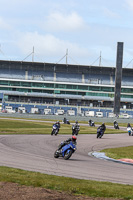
[71, 89]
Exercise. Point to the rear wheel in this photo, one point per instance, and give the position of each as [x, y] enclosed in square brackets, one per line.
[68, 154]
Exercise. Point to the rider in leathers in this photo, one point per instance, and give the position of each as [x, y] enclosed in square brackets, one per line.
[73, 139]
[75, 128]
[102, 127]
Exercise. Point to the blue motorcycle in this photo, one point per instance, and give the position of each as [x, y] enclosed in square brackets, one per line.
[66, 151]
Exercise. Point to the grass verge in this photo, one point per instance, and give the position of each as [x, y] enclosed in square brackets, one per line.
[8, 126]
[118, 153]
[71, 185]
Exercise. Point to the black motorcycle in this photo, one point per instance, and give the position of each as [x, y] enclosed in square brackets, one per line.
[92, 124]
[116, 126]
[75, 130]
[100, 133]
[66, 121]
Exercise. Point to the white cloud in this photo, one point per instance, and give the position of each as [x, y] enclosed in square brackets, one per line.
[62, 22]
[110, 13]
[4, 25]
[130, 4]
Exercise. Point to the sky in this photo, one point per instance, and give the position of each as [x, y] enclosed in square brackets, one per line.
[83, 32]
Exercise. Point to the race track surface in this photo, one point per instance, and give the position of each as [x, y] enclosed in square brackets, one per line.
[36, 153]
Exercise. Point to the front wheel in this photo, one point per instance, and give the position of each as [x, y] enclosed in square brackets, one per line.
[73, 132]
[56, 132]
[68, 154]
[98, 135]
[76, 133]
[56, 154]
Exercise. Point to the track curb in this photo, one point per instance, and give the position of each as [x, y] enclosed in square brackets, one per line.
[101, 155]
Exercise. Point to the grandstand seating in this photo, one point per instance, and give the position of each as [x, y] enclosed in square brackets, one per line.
[42, 75]
[67, 77]
[12, 74]
[127, 81]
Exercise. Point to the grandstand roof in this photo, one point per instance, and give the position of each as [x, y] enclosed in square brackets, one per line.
[61, 67]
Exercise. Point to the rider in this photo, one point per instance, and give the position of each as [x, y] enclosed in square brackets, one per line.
[90, 121]
[73, 140]
[128, 125]
[115, 122]
[102, 127]
[75, 127]
[64, 120]
[57, 124]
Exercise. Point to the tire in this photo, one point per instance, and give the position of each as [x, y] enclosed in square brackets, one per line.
[98, 135]
[56, 132]
[68, 155]
[76, 133]
[52, 133]
[56, 154]
[73, 132]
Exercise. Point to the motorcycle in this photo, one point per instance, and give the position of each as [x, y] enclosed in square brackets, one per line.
[130, 131]
[66, 151]
[75, 130]
[91, 123]
[66, 121]
[100, 133]
[116, 126]
[55, 130]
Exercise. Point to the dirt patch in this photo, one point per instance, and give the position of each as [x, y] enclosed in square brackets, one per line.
[14, 191]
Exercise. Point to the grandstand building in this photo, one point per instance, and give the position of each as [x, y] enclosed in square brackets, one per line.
[34, 84]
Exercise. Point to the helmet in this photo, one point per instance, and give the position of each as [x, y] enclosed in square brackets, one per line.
[114, 120]
[103, 124]
[76, 122]
[74, 138]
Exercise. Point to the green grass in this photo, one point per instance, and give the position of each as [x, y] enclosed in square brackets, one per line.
[71, 185]
[117, 153]
[36, 127]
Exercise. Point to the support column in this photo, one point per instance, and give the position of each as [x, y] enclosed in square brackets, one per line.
[118, 77]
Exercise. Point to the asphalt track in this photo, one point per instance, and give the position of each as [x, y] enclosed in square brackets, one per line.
[36, 153]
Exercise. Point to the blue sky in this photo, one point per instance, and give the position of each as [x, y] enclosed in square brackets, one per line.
[86, 28]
